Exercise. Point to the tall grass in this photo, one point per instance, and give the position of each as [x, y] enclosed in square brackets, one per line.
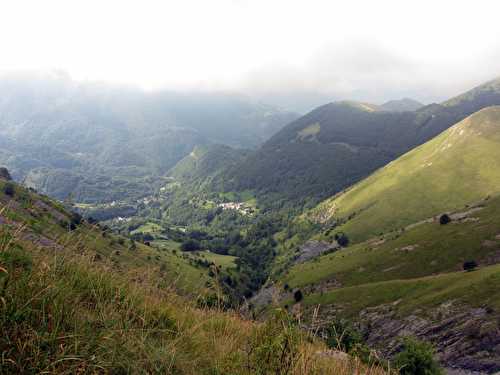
[63, 312]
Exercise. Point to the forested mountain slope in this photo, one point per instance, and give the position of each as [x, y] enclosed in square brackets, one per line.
[104, 143]
[338, 144]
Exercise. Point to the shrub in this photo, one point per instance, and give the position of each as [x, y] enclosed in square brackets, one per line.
[9, 189]
[132, 246]
[417, 358]
[75, 220]
[343, 336]
[342, 239]
[470, 265]
[444, 219]
[298, 296]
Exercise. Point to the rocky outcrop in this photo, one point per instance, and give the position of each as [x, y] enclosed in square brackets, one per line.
[312, 249]
[465, 338]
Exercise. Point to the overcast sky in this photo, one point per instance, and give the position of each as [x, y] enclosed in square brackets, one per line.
[366, 50]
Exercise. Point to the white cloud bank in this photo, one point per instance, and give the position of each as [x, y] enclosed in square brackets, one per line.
[368, 50]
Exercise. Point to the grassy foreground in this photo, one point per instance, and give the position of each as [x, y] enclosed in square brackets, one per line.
[63, 314]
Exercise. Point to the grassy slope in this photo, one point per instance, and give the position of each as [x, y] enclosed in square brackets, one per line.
[66, 310]
[426, 249]
[205, 161]
[478, 289]
[412, 280]
[420, 264]
[454, 169]
[41, 216]
[225, 261]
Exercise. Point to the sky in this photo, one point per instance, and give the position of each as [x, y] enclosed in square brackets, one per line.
[288, 51]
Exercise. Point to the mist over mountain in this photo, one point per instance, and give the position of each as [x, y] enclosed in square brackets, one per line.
[85, 139]
[250, 187]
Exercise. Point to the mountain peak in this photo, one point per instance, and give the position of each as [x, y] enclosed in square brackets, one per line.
[401, 105]
[368, 107]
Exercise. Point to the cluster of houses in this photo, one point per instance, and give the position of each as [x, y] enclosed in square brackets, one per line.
[238, 206]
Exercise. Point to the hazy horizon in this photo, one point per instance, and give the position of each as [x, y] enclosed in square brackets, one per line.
[291, 54]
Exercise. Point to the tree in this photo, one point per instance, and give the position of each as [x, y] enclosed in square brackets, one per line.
[76, 218]
[470, 265]
[197, 235]
[91, 220]
[417, 358]
[298, 296]
[444, 219]
[190, 245]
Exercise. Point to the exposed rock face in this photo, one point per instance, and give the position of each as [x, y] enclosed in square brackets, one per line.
[312, 249]
[465, 338]
[266, 296]
[4, 174]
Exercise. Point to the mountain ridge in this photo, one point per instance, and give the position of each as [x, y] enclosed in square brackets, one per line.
[467, 148]
[348, 144]
[401, 105]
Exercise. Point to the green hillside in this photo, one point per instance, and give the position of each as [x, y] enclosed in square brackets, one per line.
[340, 143]
[206, 161]
[45, 223]
[404, 264]
[428, 248]
[412, 282]
[459, 167]
[75, 298]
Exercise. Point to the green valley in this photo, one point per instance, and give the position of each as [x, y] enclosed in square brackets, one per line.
[79, 299]
[250, 188]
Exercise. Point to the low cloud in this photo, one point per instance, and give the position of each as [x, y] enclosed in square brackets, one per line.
[368, 71]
